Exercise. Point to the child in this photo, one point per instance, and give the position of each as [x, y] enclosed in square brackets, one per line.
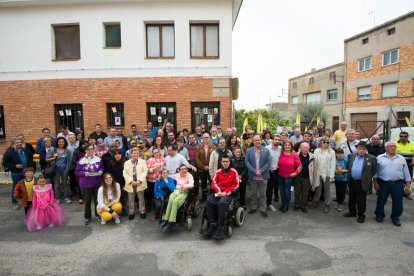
[341, 178]
[45, 211]
[24, 189]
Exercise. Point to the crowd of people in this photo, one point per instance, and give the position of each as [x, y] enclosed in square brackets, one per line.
[116, 171]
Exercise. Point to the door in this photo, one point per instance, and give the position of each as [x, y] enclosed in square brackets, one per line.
[158, 112]
[366, 123]
[335, 123]
[70, 115]
[207, 113]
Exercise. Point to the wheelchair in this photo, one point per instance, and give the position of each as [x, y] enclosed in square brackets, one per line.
[185, 214]
[234, 217]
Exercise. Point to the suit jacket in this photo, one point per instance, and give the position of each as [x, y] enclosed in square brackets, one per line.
[265, 161]
[369, 169]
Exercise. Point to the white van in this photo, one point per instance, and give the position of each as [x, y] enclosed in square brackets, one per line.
[395, 133]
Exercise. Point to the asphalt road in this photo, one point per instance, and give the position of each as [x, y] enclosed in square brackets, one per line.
[284, 244]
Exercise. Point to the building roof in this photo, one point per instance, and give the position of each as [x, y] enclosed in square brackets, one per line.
[317, 71]
[390, 22]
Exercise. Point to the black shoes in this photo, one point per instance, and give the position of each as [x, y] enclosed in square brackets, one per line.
[208, 233]
[283, 209]
[396, 222]
[360, 219]
[349, 215]
[264, 214]
[131, 217]
[219, 233]
[379, 219]
[252, 211]
[304, 210]
[143, 216]
[295, 208]
[163, 223]
[168, 226]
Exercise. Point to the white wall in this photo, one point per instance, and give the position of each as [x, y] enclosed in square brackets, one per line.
[26, 40]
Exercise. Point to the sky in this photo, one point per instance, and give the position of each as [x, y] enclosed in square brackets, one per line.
[274, 41]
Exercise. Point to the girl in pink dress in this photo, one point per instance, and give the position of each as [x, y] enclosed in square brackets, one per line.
[44, 212]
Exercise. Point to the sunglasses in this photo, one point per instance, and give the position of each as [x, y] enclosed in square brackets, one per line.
[403, 136]
[325, 142]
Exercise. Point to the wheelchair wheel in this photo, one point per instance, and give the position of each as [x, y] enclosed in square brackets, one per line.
[229, 231]
[189, 224]
[239, 216]
[197, 209]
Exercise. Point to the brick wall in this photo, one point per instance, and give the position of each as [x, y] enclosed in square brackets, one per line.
[29, 105]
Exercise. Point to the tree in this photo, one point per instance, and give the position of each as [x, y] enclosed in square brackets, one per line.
[309, 113]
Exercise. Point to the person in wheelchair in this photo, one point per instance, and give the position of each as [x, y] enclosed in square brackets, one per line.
[224, 183]
[185, 181]
[163, 184]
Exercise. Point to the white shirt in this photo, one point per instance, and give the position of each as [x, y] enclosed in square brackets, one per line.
[110, 195]
[275, 153]
[173, 163]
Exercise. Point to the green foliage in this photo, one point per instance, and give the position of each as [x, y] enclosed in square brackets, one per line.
[273, 119]
[309, 113]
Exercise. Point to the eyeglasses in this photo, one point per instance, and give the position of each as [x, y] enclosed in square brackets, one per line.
[324, 142]
[403, 136]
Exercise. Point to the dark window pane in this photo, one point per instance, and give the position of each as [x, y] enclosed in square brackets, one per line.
[67, 42]
[113, 36]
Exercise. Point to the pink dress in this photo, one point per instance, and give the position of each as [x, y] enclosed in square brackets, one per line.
[44, 212]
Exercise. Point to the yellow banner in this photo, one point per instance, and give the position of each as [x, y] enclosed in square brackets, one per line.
[408, 121]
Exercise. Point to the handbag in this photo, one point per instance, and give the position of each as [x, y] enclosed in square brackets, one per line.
[50, 169]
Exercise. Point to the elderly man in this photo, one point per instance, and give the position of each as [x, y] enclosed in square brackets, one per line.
[15, 160]
[304, 180]
[349, 145]
[362, 167]
[375, 147]
[203, 155]
[406, 148]
[339, 135]
[258, 161]
[307, 138]
[297, 137]
[390, 178]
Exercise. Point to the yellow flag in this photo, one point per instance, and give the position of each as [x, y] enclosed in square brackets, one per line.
[306, 128]
[259, 123]
[408, 121]
[264, 125]
[245, 123]
[298, 119]
[318, 119]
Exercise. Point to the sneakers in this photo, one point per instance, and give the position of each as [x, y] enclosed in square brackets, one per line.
[68, 201]
[117, 221]
[98, 218]
[338, 207]
[103, 222]
[16, 207]
[86, 221]
[271, 208]
[208, 233]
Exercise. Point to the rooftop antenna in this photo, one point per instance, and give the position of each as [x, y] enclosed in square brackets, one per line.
[373, 13]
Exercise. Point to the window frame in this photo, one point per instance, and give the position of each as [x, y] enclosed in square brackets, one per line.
[390, 52]
[205, 25]
[311, 80]
[297, 97]
[389, 83]
[110, 117]
[364, 60]
[391, 31]
[2, 125]
[314, 93]
[110, 24]
[54, 42]
[364, 98]
[294, 85]
[328, 92]
[365, 40]
[160, 26]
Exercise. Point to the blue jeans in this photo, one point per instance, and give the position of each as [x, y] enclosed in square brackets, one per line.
[15, 178]
[397, 191]
[285, 185]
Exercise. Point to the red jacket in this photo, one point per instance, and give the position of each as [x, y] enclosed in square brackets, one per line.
[225, 182]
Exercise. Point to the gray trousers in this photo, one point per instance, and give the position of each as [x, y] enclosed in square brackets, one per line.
[60, 181]
[131, 202]
[327, 191]
[260, 185]
[302, 186]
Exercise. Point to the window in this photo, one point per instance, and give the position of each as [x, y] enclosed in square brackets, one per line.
[389, 90]
[391, 31]
[295, 100]
[332, 95]
[401, 118]
[313, 98]
[332, 75]
[365, 40]
[160, 41]
[112, 35]
[115, 114]
[390, 57]
[158, 112]
[294, 84]
[207, 113]
[70, 115]
[364, 64]
[67, 42]
[204, 40]
[364, 92]
[2, 125]
[311, 80]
